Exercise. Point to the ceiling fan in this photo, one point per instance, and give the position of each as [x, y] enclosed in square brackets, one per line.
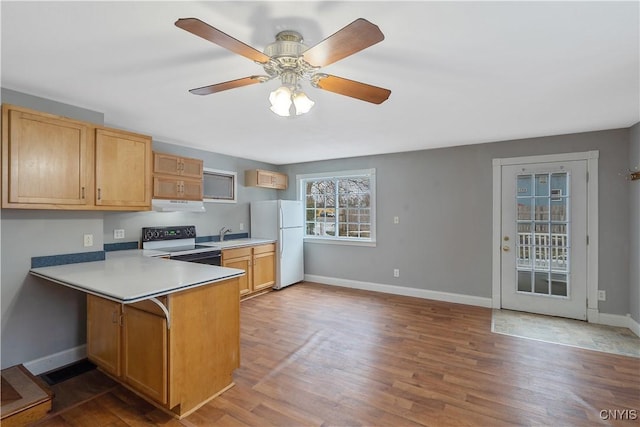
[291, 61]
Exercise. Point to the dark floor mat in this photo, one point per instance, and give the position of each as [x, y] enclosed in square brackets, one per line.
[70, 371]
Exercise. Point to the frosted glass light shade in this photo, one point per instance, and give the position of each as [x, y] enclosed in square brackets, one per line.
[282, 98]
[281, 101]
[302, 103]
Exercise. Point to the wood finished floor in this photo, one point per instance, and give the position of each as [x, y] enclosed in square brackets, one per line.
[316, 355]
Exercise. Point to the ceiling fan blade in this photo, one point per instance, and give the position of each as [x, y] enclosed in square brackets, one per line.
[231, 84]
[207, 32]
[342, 86]
[358, 35]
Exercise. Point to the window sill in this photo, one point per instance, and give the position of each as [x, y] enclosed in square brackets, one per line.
[345, 242]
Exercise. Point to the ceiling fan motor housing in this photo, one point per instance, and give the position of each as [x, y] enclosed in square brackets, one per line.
[286, 56]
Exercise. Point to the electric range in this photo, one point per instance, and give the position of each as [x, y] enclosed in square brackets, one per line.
[180, 243]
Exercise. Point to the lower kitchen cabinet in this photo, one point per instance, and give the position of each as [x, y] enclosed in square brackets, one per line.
[177, 361]
[240, 258]
[145, 351]
[103, 334]
[259, 262]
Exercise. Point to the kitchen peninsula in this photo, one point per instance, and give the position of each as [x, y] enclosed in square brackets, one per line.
[168, 330]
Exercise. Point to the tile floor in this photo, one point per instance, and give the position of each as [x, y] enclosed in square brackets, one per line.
[570, 332]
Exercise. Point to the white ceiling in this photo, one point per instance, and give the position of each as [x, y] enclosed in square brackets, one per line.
[460, 72]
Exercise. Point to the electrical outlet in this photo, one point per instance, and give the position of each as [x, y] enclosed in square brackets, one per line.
[118, 233]
[88, 240]
[396, 272]
[602, 295]
[241, 226]
[396, 220]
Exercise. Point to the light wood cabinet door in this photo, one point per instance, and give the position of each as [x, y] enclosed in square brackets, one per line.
[145, 353]
[123, 170]
[259, 264]
[264, 270]
[167, 187]
[266, 179]
[191, 189]
[46, 161]
[192, 168]
[103, 334]
[169, 164]
[280, 181]
[242, 263]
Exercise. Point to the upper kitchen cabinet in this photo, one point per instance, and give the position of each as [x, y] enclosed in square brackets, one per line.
[265, 179]
[176, 177]
[123, 170]
[52, 162]
[46, 161]
[168, 164]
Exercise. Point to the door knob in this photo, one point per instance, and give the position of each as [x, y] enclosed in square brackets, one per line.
[505, 248]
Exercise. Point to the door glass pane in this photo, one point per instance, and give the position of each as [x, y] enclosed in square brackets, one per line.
[559, 285]
[541, 284]
[524, 208]
[524, 281]
[524, 186]
[543, 243]
[541, 209]
[542, 184]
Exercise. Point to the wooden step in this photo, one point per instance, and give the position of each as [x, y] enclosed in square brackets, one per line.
[25, 398]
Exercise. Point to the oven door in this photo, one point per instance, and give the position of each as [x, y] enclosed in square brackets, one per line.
[211, 257]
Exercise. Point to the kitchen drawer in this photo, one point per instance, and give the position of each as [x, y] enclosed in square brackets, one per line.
[271, 247]
[236, 253]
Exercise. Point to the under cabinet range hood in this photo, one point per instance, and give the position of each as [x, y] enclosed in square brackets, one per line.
[163, 205]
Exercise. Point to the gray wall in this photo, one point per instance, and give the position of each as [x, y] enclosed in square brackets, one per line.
[444, 200]
[40, 318]
[634, 225]
[443, 241]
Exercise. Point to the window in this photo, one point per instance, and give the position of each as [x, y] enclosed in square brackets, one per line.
[219, 186]
[339, 206]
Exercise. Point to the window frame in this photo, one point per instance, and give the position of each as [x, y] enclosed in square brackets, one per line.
[356, 241]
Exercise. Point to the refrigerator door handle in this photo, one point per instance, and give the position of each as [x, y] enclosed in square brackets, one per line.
[281, 242]
[280, 227]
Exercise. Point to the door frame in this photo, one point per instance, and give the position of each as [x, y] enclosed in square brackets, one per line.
[592, 222]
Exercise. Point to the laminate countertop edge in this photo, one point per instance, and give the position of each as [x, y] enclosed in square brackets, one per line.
[130, 279]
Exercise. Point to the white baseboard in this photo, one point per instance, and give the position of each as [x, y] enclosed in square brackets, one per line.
[401, 290]
[617, 320]
[56, 360]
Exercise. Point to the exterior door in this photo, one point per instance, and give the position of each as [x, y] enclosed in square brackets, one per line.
[544, 238]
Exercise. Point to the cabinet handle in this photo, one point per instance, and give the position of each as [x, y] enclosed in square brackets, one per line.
[83, 192]
[99, 193]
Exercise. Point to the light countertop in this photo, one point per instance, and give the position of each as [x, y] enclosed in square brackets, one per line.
[130, 276]
[237, 243]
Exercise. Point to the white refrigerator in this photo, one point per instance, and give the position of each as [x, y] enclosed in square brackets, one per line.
[282, 220]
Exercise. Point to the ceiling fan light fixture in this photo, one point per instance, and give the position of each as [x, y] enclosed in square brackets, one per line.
[281, 101]
[302, 103]
[283, 98]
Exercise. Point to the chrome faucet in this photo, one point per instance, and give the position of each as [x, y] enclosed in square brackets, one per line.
[223, 231]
